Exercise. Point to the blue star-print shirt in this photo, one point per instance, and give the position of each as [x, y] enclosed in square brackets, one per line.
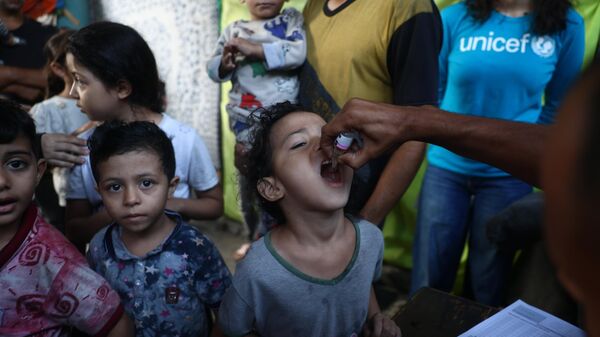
[168, 291]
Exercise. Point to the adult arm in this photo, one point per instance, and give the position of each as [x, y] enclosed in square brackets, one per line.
[413, 65]
[511, 146]
[26, 92]
[24, 76]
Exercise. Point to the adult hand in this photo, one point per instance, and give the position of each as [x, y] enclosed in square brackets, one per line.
[63, 150]
[381, 326]
[381, 126]
[247, 48]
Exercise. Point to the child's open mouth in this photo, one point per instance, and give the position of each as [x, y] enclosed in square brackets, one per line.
[329, 174]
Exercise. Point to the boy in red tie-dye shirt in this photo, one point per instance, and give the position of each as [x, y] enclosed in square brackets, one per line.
[46, 286]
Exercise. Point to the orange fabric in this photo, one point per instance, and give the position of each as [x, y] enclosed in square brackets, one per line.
[36, 8]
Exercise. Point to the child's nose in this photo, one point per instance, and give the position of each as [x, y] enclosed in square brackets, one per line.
[3, 181]
[130, 197]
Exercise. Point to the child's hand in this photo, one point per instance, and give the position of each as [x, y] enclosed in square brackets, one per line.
[247, 48]
[381, 326]
[227, 61]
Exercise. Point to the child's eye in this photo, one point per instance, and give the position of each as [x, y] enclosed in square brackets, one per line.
[146, 183]
[16, 164]
[114, 187]
[295, 146]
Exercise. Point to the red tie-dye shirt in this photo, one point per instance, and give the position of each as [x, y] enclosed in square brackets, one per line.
[47, 287]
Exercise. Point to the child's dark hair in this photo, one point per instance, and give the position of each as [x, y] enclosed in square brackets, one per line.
[114, 52]
[259, 157]
[55, 50]
[117, 138]
[14, 121]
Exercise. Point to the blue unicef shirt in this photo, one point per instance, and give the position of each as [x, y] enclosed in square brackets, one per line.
[168, 291]
[500, 69]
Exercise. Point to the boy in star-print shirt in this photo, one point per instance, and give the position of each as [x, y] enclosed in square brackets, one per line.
[167, 273]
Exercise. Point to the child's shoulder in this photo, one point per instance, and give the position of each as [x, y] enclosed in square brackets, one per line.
[43, 245]
[255, 260]
[97, 241]
[175, 128]
[53, 105]
[191, 241]
[368, 232]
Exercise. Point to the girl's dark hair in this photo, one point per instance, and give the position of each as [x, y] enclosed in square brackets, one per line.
[258, 159]
[55, 50]
[114, 52]
[550, 16]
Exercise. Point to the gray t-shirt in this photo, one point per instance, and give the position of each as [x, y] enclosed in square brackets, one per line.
[272, 298]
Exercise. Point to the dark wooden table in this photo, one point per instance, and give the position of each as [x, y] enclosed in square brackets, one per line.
[434, 313]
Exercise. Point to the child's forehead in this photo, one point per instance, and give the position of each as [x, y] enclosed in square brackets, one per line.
[133, 160]
[144, 153]
[73, 64]
[20, 144]
[295, 121]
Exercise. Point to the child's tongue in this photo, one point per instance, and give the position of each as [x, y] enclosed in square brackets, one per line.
[329, 174]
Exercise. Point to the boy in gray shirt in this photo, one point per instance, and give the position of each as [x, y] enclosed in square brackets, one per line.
[312, 275]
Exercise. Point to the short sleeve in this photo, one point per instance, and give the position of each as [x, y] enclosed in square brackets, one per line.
[202, 173]
[212, 276]
[40, 118]
[412, 59]
[81, 298]
[236, 317]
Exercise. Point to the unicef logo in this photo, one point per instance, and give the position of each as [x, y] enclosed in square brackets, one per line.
[544, 46]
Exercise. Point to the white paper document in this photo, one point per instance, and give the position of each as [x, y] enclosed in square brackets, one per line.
[523, 320]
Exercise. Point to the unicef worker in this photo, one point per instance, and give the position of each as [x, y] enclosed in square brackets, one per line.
[505, 59]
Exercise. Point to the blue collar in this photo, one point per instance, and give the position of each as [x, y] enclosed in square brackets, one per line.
[108, 235]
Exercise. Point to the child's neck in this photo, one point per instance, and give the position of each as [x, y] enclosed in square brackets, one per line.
[135, 113]
[141, 243]
[314, 228]
[319, 245]
[66, 91]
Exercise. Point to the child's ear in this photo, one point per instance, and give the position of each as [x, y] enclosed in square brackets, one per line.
[270, 189]
[58, 69]
[173, 185]
[41, 168]
[123, 89]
